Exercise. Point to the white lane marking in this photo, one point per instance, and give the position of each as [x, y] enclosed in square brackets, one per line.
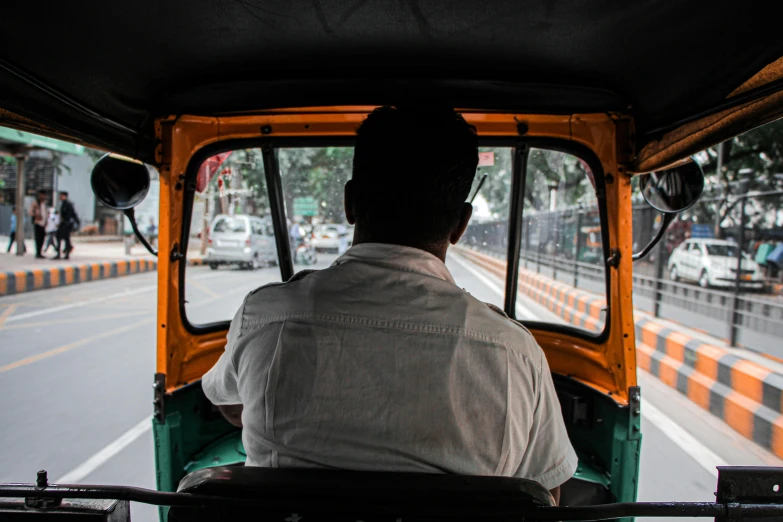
[99, 459]
[522, 311]
[79, 304]
[703, 456]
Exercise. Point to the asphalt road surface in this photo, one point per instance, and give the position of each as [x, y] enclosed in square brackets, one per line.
[76, 367]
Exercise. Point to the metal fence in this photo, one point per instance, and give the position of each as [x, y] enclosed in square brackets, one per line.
[750, 319]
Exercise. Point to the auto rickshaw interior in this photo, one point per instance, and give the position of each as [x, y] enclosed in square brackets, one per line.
[595, 379]
[594, 375]
[593, 92]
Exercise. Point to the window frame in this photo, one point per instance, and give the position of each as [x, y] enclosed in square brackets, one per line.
[516, 212]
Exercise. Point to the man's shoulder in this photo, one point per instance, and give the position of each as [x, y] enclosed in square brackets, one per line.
[266, 290]
[490, 318]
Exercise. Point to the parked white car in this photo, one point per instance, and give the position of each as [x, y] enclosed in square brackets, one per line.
[332, 238]
[246, 241]
[713, 262]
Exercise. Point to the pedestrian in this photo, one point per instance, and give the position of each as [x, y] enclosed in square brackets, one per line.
[12, 232]
[52, 224]
[69, 221]
[152, 232]
[38, 215]
[294, 236]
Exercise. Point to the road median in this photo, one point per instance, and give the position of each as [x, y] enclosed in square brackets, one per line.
[744, 394]
[15, 282]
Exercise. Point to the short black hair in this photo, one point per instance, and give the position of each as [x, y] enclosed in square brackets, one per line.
[42, 191]
[412, 172]
[64, 193]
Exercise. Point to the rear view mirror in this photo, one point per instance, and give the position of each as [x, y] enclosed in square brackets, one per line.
[122, 183]
[675, 189]
[119, 182]
[670, 191]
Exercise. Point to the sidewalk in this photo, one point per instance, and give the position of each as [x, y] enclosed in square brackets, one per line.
[92, 259]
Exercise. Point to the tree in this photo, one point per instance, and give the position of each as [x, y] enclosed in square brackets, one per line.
[547, 171]
[319, 173]
[759, 150]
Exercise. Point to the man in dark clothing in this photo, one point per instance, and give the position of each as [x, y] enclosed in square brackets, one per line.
[69, 221]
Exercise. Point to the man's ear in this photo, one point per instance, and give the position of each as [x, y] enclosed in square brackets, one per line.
[348, 202]
[467, 211]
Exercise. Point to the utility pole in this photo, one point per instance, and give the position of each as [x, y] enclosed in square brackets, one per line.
[205, 225]
[734, 320]
[20, 209]
[719, 172]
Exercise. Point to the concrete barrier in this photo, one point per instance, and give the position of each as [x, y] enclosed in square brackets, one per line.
[22, 281]
[577, 307]
[745, 395]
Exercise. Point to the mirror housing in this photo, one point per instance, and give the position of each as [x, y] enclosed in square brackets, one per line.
[671, 191]
[122, 183]
[119, 182]
[674, 190]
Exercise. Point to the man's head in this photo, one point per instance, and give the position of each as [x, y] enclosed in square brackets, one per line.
[41, 195]
[412, 172]
[63, 195]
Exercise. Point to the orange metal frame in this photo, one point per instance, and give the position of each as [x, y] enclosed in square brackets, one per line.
[609, 366]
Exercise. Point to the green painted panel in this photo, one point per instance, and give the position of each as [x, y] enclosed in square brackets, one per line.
[34, 140]
[586, 472]
[226, 451]
[195, 435]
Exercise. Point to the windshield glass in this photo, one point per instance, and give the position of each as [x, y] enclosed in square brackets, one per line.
[561, 245]
[722, 250]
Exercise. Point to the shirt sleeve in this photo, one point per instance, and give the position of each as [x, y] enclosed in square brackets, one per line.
[549, 458]
[220, 382]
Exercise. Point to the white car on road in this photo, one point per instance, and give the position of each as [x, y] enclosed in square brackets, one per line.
[713, 262]
[332, 238]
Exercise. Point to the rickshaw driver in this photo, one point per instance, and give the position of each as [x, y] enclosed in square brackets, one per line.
[381, 362]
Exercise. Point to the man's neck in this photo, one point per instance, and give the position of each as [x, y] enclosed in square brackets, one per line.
[437, 249]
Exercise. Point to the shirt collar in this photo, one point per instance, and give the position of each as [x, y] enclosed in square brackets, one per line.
[397, 257]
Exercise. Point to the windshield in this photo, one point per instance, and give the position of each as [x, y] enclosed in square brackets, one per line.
[722, 250]
[561, 241]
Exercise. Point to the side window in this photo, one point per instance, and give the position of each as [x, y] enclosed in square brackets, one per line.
[562, 246]
[561, 251]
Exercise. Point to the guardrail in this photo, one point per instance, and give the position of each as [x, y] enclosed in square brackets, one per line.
[742, 393]
[753, 321]
[758, 321]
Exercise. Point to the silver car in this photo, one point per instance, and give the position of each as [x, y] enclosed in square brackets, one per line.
[246, 241]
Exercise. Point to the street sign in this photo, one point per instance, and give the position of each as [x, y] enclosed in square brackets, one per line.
[486, 159]
[305, 207]
[702, 232]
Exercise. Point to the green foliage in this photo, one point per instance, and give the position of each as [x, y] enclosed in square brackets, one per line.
[759, 150]
[547, 170]
[497, 187]
[321, 173]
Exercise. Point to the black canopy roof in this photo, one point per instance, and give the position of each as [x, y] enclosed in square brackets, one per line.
[102, 71]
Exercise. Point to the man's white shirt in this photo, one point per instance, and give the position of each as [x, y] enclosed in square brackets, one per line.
[381, 362]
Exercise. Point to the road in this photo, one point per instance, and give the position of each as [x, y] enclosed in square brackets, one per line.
[76, 369]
